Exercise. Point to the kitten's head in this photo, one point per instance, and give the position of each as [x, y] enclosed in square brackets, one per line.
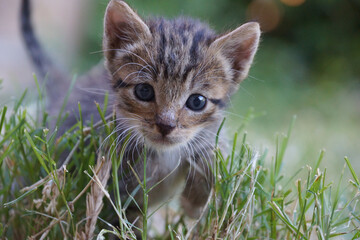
[172, 77]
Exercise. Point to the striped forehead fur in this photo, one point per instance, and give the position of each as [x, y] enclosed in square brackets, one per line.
[176, 47]
[178, 52]
[179, 44]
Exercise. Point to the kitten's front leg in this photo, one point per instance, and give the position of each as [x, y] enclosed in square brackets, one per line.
[197, 187]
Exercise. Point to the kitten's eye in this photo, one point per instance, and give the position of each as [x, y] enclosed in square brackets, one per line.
[144, 92]
[196, 102]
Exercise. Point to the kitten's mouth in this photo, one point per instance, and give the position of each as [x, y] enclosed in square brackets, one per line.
[158, 141]
[166, 141]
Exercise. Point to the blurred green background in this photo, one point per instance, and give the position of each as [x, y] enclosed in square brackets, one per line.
[308, 65]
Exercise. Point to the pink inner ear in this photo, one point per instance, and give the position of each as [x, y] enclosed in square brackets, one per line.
[239, 47]
[114, 20]
[116, 15]
[243, 54]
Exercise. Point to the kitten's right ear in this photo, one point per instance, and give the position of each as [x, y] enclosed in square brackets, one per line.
[122, 26]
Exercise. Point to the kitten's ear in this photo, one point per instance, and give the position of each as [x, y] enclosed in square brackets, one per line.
[239, 46]
[122, 26]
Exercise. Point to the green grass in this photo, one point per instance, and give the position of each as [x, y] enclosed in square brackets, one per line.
[254, 196]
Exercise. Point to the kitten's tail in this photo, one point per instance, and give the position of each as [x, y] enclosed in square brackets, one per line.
[43, 64]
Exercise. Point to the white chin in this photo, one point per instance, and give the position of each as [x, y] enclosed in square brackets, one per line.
[163, 144]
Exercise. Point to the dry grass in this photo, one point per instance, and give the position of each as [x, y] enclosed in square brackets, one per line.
[94, 199]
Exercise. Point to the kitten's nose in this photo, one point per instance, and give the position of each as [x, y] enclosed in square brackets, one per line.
[165, 127]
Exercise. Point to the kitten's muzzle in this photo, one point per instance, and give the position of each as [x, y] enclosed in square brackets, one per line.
[165, 121]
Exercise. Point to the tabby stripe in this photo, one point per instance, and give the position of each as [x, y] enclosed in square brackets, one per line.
[187, 70]
[207, 117]
[162, 42]
[121, 84]
[218, 102]
[197, 39]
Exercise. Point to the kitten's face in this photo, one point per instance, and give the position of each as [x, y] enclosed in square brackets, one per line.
[168, 106]
[172, 77]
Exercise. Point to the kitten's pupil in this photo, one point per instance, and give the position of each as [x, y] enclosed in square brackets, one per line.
[196, 102]
[144, 92]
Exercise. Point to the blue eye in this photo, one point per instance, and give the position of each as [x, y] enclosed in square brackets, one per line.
[196, 102]
[144, 92]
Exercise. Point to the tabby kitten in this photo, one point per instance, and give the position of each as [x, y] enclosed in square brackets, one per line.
[170, 80]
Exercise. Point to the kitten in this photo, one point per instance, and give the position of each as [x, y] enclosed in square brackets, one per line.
[170, 80]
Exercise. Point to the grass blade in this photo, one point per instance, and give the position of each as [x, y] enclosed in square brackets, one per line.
[20, 198]
[356, 179]
[2, 120]
[285, 219]
[36, 151]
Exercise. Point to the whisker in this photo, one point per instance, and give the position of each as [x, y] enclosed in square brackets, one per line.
[132, 53]
[97, 91]
[233, 114]
[127, 64]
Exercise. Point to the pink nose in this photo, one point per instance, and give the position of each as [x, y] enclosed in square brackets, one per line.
[165, 128]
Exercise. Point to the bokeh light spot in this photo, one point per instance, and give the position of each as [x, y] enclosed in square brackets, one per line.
[266, 12]
[293, 3]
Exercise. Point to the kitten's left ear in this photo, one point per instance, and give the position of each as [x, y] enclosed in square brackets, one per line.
[239, 46]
